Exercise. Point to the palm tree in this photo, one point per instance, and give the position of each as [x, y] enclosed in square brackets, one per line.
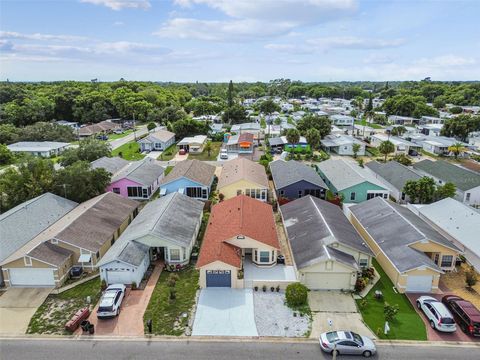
[355, 149]
[293, 137]
[457, 149]
[208, 147]
[386, 148]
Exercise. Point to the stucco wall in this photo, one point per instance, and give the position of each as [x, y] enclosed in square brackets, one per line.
[122, 185]
[218, 265]
[291, 191]
[230, 191]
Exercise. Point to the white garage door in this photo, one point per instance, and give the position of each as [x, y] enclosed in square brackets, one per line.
[31, 277]
[330, 281]
[419, 283]
[118, 277]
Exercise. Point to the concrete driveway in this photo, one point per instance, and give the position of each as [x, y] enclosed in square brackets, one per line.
[338, 309]
[154, 154]
[225, 312]
[17, 307]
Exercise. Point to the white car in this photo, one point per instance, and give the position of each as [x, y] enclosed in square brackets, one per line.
[437, 314]
[223, 154]
[347, 343]
[111, 300]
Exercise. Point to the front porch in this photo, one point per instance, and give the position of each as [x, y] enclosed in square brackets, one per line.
[278, 274]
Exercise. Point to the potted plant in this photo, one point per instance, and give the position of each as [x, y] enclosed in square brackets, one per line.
[272, 289]
[278, 288]
[256, 288]
[264, 288]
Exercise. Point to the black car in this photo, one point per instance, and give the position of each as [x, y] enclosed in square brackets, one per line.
[465, 313]
[76, 271]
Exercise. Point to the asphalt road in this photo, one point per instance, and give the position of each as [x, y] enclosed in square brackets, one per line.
[22, 349]
[141, 130]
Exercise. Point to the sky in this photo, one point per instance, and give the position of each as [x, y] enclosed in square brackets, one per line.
[239, 40]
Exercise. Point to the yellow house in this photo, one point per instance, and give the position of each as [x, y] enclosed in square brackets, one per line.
[243, 177]
[410, 251]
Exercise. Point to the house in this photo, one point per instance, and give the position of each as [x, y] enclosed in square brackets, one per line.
[342, 144]
[193, 144]
[242, 176]
[364, 130]
[402, 120]
[136, 180]
[157, 141]
[327, 251]
[430, 129]
[80, 237]
[240, 143]
[457, 222]
[438, 144]
[39, 148]
[233, 236]
[292, 180]
[252, 128]
[431, 120]
[111, 164]
[354, 183]
[73, 124]
[410, 251]
[94, 129]
[17, 228]
[191, 177]
[402, 146]
[216, 128]
[342, 120]
[394, 176]
[466, 181]
[281, 142]
[165, 229]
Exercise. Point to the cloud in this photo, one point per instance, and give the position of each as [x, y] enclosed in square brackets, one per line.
[290, 48]
[446, 61]
[118, 23]
[378, 59]
[121, 4]
[38, 36]
[352, 42]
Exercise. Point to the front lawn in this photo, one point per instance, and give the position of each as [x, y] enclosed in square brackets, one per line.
[372, 125]
[53, 314]
[169, 153]
[407, 326]
[203, 156]
[114, 136]
[129, 151]
[168, 315]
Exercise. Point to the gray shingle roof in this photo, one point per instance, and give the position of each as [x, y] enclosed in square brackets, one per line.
[160, 135]
[50, 253]
[462, 178]
[110, 164]
[313, 225]
[285, 173]
[25, 221]
[393, 172]
[194, 170]
[143, 172]
[174, 218]
[394, 228]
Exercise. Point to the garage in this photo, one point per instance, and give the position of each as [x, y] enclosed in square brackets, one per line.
[417, 283]
[118, 277]
[31, 277]
[327, 281]
[219, 278]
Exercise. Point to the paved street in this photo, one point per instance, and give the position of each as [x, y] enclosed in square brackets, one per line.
[142, 349]
[141, 130]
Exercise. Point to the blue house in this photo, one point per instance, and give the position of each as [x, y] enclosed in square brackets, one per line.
[193, 178]
[294, 180]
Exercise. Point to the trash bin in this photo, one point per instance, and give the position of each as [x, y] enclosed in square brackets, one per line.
[84, 325]
[91, 328]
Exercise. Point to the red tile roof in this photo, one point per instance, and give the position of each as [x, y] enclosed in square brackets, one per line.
[240, 215]
[248, 137]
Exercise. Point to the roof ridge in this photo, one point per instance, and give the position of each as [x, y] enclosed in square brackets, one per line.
[321, 215]
[164, 210]
[404, 218]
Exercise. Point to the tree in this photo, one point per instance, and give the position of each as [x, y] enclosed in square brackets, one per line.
[422, 190]
[88, 150]
[457, 149]
[355, 148]
[151, 126]
[234, 115]
[6, 156]
[293, 137]
[369, 107]
[208, 148]
[402, 159]
[9, 133]
[189, 127]
[470, 277]
[461, 126]
[444, 191]
[398, 130]
[268, 107]
[386, 148]
[80, 182]
[171, 114]
[456, 110]
[321, 123]
[230, 94]
[313, 137]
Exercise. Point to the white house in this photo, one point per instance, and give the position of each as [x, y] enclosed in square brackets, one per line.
[157, 141]
[193, 144]
[342, 120]
[39, 148]
[342, 144]
[402, 146]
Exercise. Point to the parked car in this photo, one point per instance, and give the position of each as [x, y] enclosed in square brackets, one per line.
[223, 154]
[111, 300]
[437, 314]
[182, 152]
[347, 343]
[465, 314]
[118, 131]
[102, 137]
[76, 271]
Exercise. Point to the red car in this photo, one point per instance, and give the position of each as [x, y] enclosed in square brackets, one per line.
[465, 313]
[182, 152]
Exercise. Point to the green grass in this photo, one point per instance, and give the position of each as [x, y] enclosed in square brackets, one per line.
[169, 153]
[53, 314]
[424, 152]
[166, 314]
[167, 170]
[372, 125]
[407, 326]
[203, 156]
[113, 136]
[129, 151]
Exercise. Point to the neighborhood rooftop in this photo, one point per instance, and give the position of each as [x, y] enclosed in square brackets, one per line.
[393, 172]
[194, 170]
[110, 164]
[36, 146]
[143, 172]
[240, 169]
[285, 173]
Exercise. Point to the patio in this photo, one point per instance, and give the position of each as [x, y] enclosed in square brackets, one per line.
[279, 272]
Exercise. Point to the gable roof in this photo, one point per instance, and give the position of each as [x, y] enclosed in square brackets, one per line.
[236, 216]
[110, 164]
[394, 228]
[194, 170]
[31, 146]
[339, 140]
[50, 253]
[96, 128]
[344, 174]
[313, 225]
[462, 178]
[143, 172]
[160, 135]
[393, 172]
[173, 218]
[285, 173]
[242, 169]
[22, 223]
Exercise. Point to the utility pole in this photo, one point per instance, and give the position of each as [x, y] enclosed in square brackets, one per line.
[134, 128]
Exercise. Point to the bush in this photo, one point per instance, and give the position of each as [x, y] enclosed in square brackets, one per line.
[134, 285]
[390, 311]
[296, 295]
[360, 284]
[471, 277]
[368, 273]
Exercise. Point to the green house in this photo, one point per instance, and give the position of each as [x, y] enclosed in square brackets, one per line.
[354, 183]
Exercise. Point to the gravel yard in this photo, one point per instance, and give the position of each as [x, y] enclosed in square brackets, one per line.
[274, 318]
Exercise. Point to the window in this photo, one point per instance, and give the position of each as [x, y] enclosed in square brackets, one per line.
[264, 195]
[282, 192]
[385, 196]
[264, 256]
[27, 261]
[239, 192]
[467, 196]
[175, 254]
[145, 193]
[352, 196]
[194, 192]
[447, 261]
[134, 191]
[116, 190]
[204, 193]
[363, 263]
[54, 241]
[436, 258]
[300, 193]
[255, 258]
[403, 196]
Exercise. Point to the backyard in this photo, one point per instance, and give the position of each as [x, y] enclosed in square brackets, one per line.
[129, 151]
[170, 317]
[169, 153]
[53, 314]
[407, 326]
[203, 156]
[372, 125]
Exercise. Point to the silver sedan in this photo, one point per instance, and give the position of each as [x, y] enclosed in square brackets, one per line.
[347, 343]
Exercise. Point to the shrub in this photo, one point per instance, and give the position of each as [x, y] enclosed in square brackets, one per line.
[221, 197]
[390, 311]
[173, 294]
[470, 277]
[134, 285]
[264, 288]
[368, 273]
[296, 295]
[278, 288]
[360, 284]
[363, 303]
[360, 162]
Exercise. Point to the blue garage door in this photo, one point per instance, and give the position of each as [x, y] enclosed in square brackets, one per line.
[218, 278]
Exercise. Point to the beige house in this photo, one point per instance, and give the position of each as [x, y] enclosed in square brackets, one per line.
[411, 252]
[327, 251]
[81, 237]
[243, 176]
